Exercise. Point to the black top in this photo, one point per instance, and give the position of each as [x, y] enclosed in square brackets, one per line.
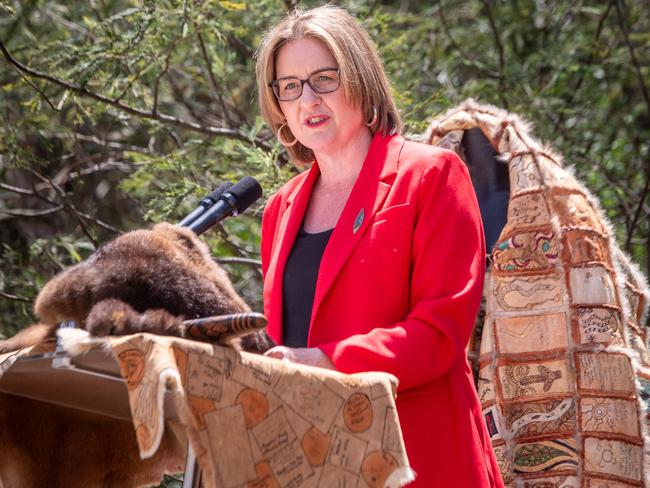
[299, 286]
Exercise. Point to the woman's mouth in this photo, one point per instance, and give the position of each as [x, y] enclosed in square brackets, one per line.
[316, 120]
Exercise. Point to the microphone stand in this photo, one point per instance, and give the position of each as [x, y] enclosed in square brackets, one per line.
[199, 221]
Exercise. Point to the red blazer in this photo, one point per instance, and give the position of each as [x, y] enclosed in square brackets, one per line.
[398, 289]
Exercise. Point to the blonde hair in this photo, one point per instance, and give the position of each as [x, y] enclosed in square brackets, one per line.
[363, 79]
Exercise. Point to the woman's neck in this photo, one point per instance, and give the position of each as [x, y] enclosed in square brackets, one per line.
[341, 166]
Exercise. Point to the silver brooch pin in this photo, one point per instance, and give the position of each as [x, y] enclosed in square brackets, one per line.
[358, 221]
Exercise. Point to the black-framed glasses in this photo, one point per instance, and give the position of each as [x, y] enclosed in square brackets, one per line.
[289, 88]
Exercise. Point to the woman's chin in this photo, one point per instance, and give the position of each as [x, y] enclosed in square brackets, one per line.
[319, 143]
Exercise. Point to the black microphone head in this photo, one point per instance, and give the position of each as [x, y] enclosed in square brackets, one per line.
[218, 191]
[245, 191]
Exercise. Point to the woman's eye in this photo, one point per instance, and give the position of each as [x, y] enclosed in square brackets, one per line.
[291, 85]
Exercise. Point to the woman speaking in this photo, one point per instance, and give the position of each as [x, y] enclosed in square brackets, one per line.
[374, 258]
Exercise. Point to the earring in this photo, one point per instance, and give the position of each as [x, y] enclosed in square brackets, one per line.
[373, 120]
[281, 138]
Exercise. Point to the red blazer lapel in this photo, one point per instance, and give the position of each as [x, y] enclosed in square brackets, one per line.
[290, 220]
[367, 197]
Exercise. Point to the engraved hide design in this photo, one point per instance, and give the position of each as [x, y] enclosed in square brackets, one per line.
[562, 359]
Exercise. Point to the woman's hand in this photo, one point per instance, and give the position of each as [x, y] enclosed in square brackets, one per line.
[311, 356]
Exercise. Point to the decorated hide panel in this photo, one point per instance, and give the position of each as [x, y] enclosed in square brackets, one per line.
[562, 358]
[255, 421]
[252, 421]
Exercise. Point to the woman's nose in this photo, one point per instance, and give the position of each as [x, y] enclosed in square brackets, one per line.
[309, 97]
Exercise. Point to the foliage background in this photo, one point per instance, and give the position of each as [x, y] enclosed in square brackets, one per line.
[115, 114]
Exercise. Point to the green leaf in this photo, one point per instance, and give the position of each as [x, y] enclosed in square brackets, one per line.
[236, 6]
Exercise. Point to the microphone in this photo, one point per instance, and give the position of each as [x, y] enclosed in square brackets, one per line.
[207, 201]
[233, 201]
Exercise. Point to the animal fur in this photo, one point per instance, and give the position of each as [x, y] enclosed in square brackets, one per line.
[47, 445]
[143, 281]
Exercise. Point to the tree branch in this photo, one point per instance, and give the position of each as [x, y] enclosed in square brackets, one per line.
[241, 252]
[590, 59]
[161, 117]
[16, 189]
[95, 10]
[180, 97]
[68, 205]
[212, 82]
[497, 41]
[247, 261]
[133, 78]
[162, 73]
[637, 213]
[101, 167]
[100, 223]
[100, 142]
[28, 213]
[16, 298]
[38, 90]
[236, 43]
[70, 25]
[472, 62]
[71, 175]
[630, 47]
[646, 96]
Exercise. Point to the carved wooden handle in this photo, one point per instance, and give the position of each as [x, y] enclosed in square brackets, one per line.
[223, 327]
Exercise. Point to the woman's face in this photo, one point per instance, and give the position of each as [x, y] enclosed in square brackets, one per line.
[325, 123]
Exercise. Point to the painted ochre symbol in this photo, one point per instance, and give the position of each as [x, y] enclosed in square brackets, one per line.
[377, 467]
[357, 413]
[255, 406]
[519, 335]
[523, 381]
[315, 445]
[132, 364]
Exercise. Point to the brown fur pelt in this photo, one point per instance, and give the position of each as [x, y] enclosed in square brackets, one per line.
[143, 281]
[47, 445]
